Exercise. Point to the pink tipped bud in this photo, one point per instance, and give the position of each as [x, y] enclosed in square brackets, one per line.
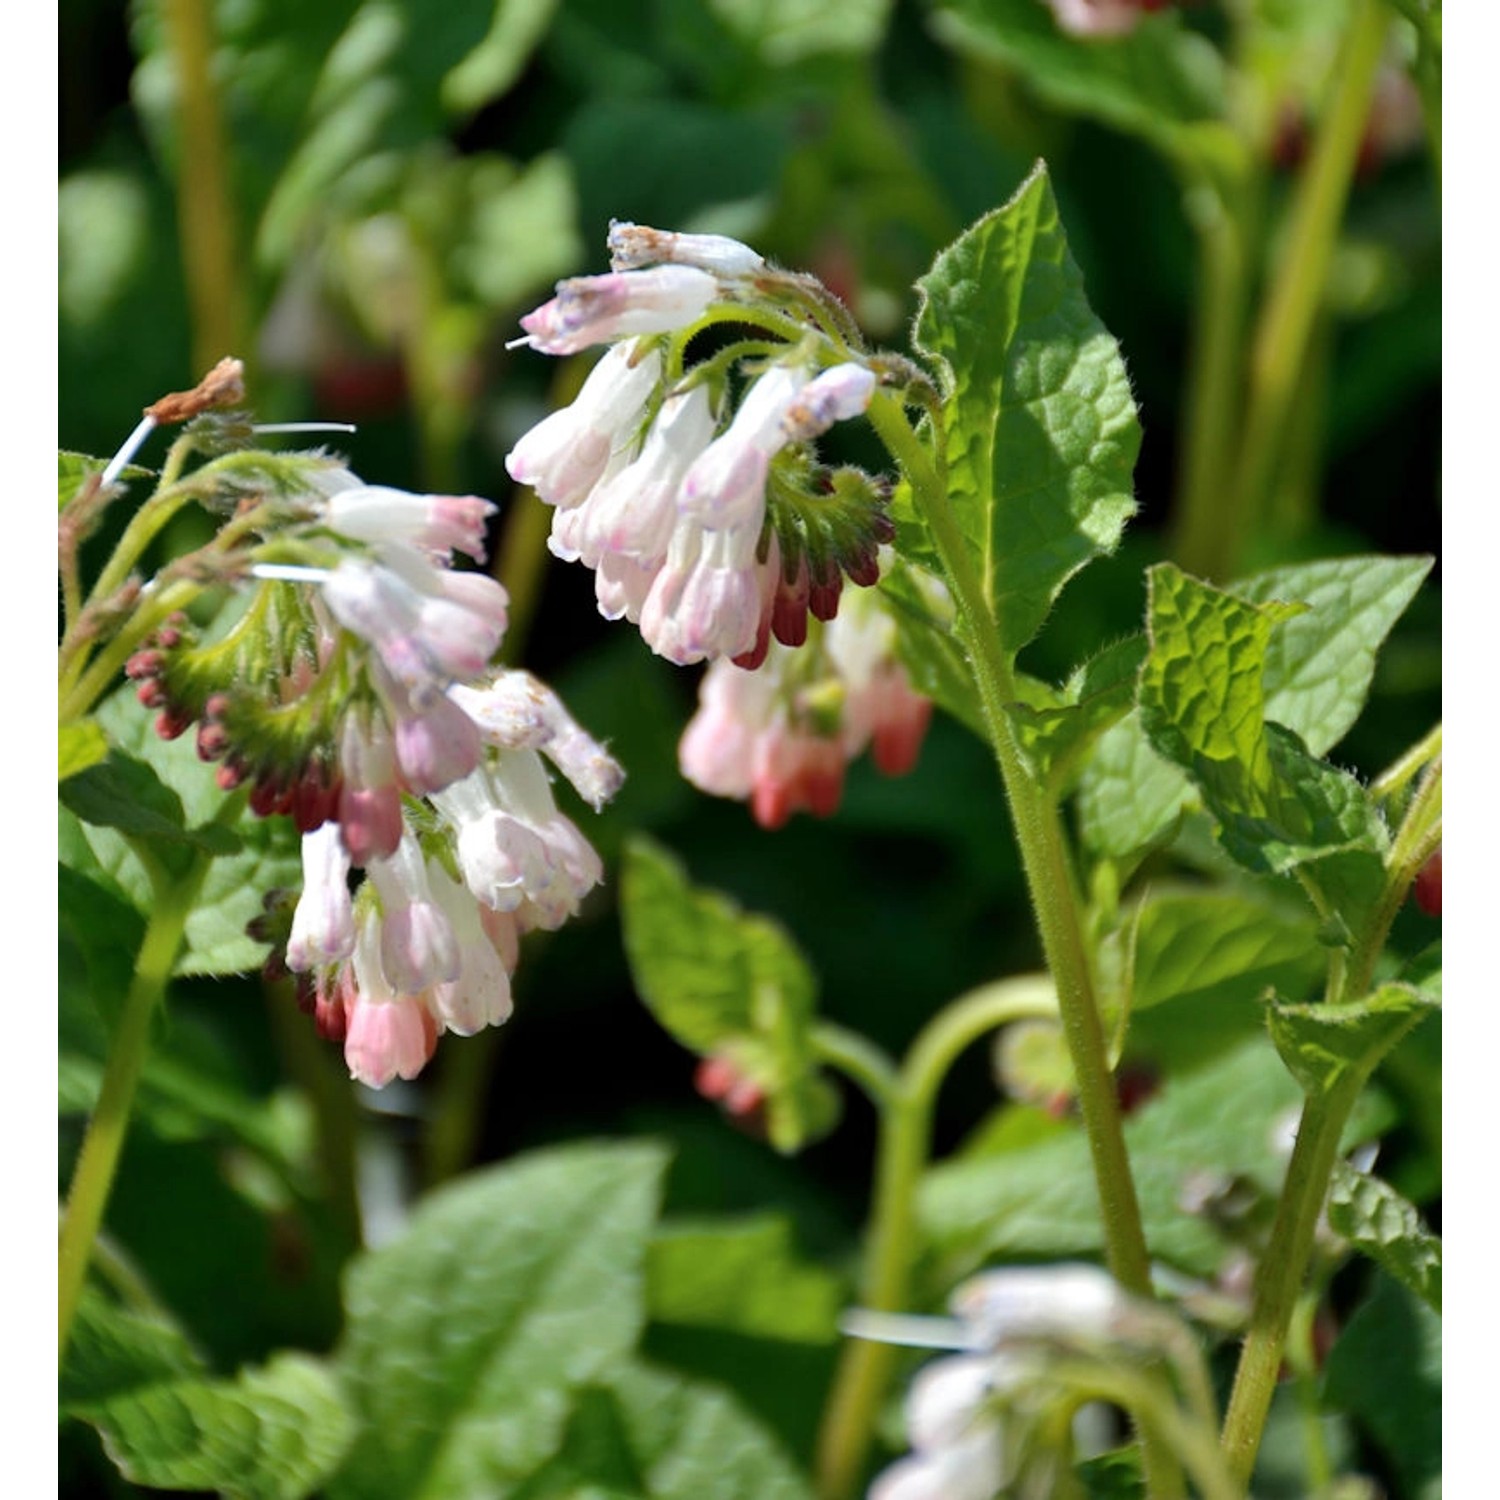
[595, 309]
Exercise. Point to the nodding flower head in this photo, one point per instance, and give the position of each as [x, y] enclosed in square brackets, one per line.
[687, 502]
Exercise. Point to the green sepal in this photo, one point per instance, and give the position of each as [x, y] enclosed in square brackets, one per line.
[79, 746]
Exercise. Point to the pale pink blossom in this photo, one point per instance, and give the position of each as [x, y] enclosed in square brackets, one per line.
[726, 485]
[418, 947]
[706, 600]
[480, 994]
[323, 923]
[795, 770]
[436, 743]
[595, 309]
[1101, 18]
[836, 395]
[387, 1035]
[439, 523]
[564, 455]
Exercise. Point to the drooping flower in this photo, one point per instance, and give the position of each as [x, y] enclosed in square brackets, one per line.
[594, 309]
[782, 735]
[643, 497]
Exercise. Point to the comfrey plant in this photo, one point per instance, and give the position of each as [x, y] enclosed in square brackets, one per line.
[1170, 799]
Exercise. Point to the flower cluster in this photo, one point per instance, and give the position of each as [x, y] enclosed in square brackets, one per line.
[353, 692]
[708, 524]
[782, 736]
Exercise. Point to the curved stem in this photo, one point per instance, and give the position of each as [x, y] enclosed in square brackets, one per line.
[94, 1174]
[1407, 765]
[905, 1141]
[858, 1059]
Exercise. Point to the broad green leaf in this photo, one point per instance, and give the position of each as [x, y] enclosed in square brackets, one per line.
[1038, 421]
[925, 640]
[1038, 1199]
[265, 857]
[1386, 1371]
[1129, 798]
[1156, 81]
[1202, 703]
[1319, 664]
[274, 1433]
[1220, 947]
[1054, 735]
[725, 982]
[113, 1350]
[693, 1441]
[1334, 1048]
[743, 1277]
[79, 746]
[650, 1435]
[468, 1338]
[1377, 1220]
[125, 793]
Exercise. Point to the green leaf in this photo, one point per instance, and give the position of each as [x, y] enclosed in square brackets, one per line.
[1129, 798]
[1202, 702]
[272, 1434]
[650, 1435]
[1378, 1221]
[468, 1337]
[79, 746]
[1386, 1370]
[74, 468]
[124, 793]
[495, 64]
[1156, 81]
[728, 983]
[265, 849]
[1319, 664]
[113, 1350]
[1220, 947]
[1038, 421]
[1054, 735]
[1334, 1048]
[743, 1277]
[1038, 1199]
[786, 31]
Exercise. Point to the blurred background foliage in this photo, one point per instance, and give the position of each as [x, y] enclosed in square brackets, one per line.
[360, 197]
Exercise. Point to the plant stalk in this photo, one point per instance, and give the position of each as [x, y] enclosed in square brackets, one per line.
[94, 1174]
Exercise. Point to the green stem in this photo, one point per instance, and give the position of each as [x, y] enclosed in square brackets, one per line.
[1407, 765]
[1300, 1356]
[77, 700]
[1283, 1267]
[1286, 321]
[204, 216]
[1278, 1282]
[901, 1155]
[858, 1059]
[1044, 856]
[1215, 395]
[1050, 881]
[94, 1174]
